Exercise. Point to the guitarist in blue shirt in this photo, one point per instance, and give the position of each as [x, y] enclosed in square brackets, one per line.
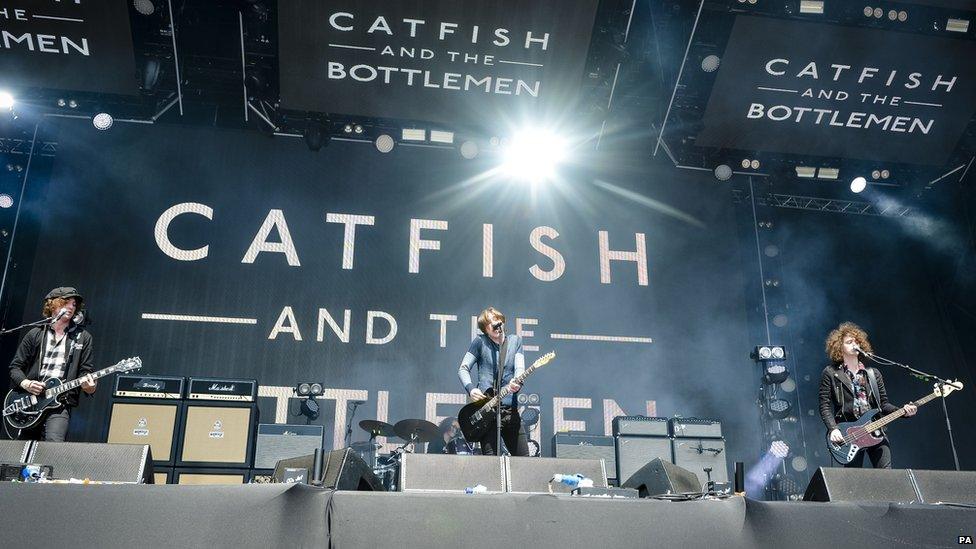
[848, 389]
[483, 358]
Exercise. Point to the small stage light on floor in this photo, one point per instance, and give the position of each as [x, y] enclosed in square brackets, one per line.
[858, 184]
[779, 408]
[309, 407]
[103, 121]
[385, 143]
[723, 172]
[6, 200]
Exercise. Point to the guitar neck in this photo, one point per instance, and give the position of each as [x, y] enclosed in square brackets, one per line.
[75, 383]
[879, 423]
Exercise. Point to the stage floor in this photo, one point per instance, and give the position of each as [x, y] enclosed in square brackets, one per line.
[280, 515]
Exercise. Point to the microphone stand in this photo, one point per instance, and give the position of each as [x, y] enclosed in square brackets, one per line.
[352, 415]
[924, 376]
[38, 323]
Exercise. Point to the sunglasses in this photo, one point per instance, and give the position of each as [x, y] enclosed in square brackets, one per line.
[497, 326]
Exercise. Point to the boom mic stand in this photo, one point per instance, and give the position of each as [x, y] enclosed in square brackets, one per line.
[38, 323]
[924, 377]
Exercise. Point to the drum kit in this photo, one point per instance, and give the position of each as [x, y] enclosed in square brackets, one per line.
[413, 431]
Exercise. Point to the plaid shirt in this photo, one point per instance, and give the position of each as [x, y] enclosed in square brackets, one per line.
[55, 361]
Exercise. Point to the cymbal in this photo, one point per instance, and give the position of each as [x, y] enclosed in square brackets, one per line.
[377, 428]
[424, 430]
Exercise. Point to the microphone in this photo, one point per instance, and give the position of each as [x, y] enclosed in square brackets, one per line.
[79, 318]
[355, 402]
[859, 350]
[63, 311]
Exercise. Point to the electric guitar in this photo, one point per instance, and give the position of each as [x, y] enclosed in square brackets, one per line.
[863, 433]
[478, 417]
[22, 410]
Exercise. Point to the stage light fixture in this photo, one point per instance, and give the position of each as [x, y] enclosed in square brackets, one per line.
[710, 63]
[788, 385]
[858, 184]
[799, 464]
[315, 389]
[957, 25]
[828, 173]
[469, 149]
[62, 102]
[806, 172]
[754, 164]
[385, 143]
[440, 136]
[534, 155]
[775, 372]
[723, 172]
[414, 134]
[303, 389]
[6, 200]
[316, 135]
[310, 409]
[72, 104]
[358, 129]
[812, 6]
[347, 128]
[885, 174]
[778, 408]
[102, 121]
[145, 7]
[769, 352]
[779, 449]
[876, 174]
[150, 73]
[6, 100]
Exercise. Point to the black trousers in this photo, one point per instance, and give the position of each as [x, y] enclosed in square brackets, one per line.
[512, 435]
[880, 456]
[53, 429]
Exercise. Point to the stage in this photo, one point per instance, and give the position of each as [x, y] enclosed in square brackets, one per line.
[283, 515]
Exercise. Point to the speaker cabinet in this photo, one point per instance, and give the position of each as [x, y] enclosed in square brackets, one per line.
[842, 484]
[14, 451]
[699, 454]
[341, 470]
[634, 452]
[276, 442]
[146, 422]
[451, 473]
[95, 461]
[217, 435]
[662, 477]
[946, 486]
[210, 476]
[532, 475]
[573, 446]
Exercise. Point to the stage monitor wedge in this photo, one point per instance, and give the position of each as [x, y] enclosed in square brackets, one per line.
[130, 463]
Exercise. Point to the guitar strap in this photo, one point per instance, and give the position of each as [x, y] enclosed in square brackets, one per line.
[873, 381]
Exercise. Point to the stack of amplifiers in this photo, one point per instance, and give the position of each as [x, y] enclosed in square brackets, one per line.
[148, 409]
[216, 445]
[579, 446]
[700, 448]
[638, 440]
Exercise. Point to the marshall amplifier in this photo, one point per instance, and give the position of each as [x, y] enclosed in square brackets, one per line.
[276, 442]
[148, 386]
[233, 390]
[566, 445]
[640, 426]
[694, 427]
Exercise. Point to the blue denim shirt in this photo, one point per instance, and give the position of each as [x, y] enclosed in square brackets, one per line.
[483, 355]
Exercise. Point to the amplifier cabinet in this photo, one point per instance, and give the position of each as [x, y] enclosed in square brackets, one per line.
[634, 452]
[696, 427]
[210, 476]
[699, 454]
[216, 434]
[573, 446]
[640, 426]
[277, 441]
[147, 421]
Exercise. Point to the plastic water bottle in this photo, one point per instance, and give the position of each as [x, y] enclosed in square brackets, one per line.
[574, 481]
[479, 489]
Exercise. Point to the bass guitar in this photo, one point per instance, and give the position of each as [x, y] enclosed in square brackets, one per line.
[22, 410]
[478, 417]
[864, 433]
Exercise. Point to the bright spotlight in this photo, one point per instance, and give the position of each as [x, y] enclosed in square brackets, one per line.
[6, 200]
[103, 121]
[533, 155]
[858, 184]
[6, 100]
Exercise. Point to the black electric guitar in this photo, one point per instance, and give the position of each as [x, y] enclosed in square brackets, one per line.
[863, 433]
[22, 410]
[477, 418]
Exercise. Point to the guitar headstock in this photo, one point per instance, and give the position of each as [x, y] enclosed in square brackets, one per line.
[544, 359]
[128, 364]
[950, 386]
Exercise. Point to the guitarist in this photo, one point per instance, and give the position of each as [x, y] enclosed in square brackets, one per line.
[483, 357]
[848, 389]
[59, 350]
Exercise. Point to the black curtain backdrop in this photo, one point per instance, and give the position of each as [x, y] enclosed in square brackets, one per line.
[109, 189]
